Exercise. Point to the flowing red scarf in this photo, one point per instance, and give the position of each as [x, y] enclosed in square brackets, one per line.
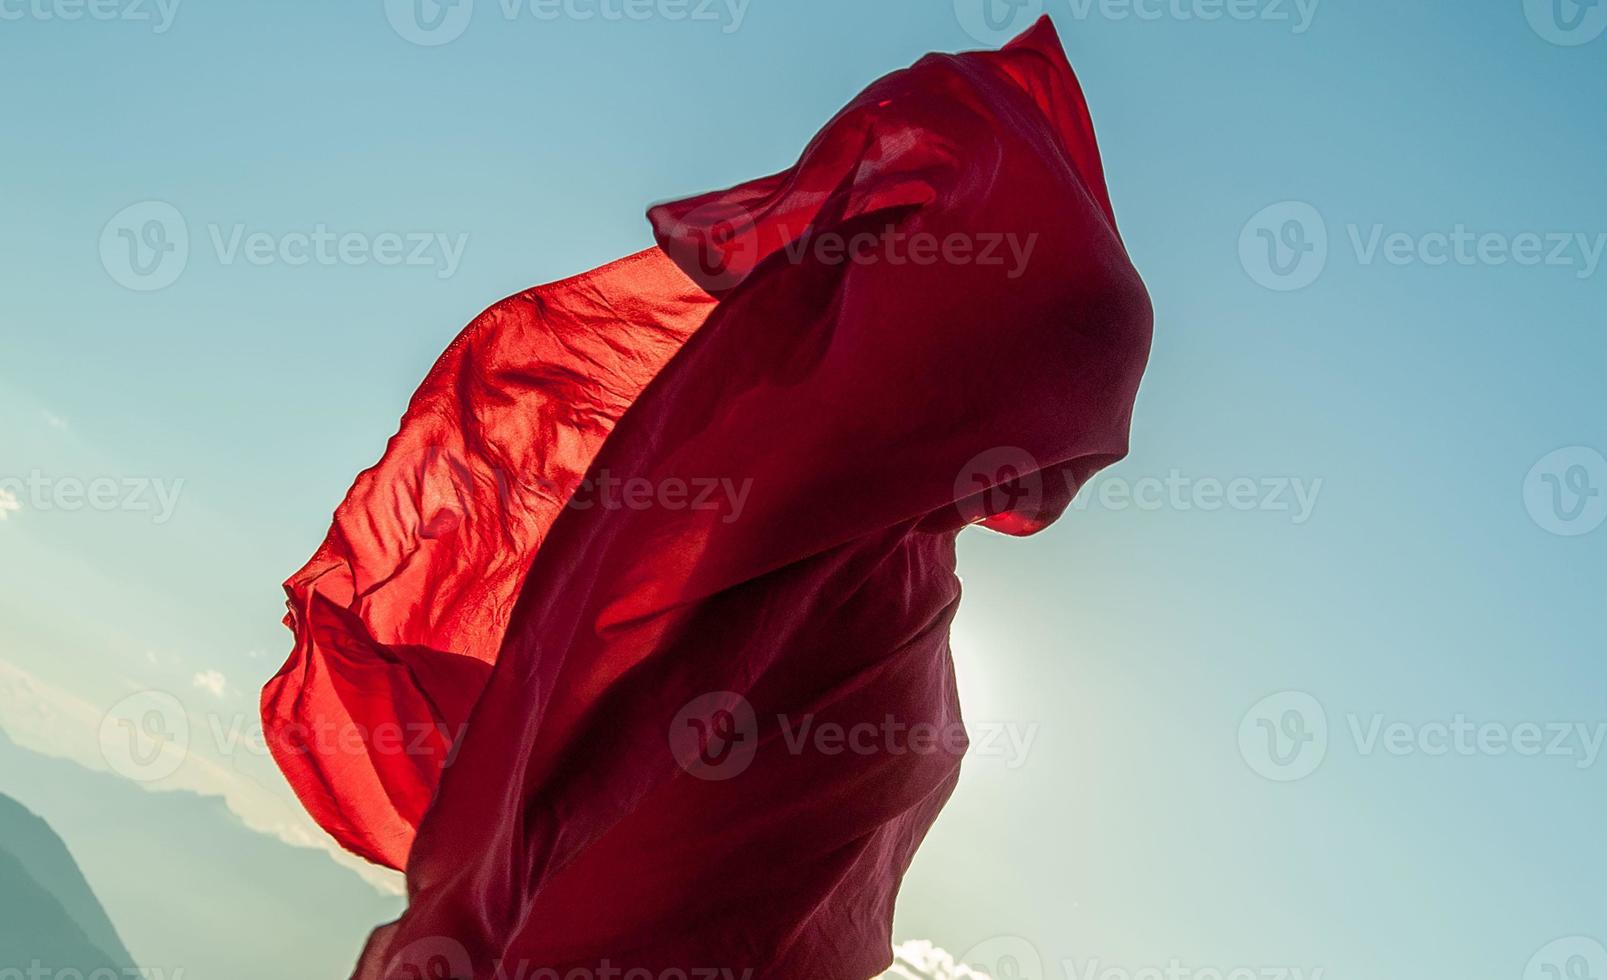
[569, 650]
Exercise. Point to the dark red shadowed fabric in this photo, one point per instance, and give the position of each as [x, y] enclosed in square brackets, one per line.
[642, 531]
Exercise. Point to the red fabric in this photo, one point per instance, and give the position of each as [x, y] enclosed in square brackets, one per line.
[620, 685]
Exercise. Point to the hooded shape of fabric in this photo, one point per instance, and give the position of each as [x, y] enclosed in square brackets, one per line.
[569, 651]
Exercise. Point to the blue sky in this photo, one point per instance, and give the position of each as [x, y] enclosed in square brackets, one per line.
[1367, 459]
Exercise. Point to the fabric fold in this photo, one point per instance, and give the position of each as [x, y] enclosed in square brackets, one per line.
[647, 533]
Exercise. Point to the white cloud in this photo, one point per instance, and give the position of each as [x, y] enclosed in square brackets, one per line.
[920, 960]
[8, 503]
[211, 680]
[47, 719]
[54, 421]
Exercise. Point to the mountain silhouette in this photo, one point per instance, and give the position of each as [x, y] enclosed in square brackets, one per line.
[48, 914]
[190, 886]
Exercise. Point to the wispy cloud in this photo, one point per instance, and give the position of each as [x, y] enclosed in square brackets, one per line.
[53, 420]
[211, 680]
[53, 721]
[8, 503]
[920, 960]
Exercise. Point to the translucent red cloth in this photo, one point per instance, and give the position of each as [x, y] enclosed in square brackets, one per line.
[642, 527]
